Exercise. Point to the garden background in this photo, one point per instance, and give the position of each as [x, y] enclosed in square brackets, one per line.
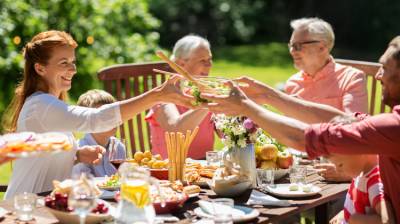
[247, 36]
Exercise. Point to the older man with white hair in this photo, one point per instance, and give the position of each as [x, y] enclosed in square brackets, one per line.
[320, 79]
[193, 53]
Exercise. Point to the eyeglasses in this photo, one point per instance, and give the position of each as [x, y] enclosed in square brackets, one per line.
[299, 45]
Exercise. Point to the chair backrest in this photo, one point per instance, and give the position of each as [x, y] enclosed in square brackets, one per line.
[374, 86]
[124, 81]
[3, 188]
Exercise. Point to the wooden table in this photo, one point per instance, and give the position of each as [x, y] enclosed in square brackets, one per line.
[41, 215]
[268, 214]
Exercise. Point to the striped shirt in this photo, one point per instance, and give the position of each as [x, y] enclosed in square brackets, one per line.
[364, 193]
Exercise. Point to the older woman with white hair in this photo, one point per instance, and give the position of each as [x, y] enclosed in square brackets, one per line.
[193, 53]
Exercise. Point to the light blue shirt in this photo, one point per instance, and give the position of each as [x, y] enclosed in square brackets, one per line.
[105, 167]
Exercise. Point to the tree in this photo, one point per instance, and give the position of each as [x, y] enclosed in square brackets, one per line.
[107, 32]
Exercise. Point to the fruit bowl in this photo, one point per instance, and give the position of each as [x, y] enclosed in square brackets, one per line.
[161, 174]
[91, 218]
[279, 173]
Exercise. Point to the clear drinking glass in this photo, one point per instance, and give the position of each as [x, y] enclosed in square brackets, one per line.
[25, 203]
[213, 158]
[298, 174]
[82, 198]
[223, 210]
[266, 178]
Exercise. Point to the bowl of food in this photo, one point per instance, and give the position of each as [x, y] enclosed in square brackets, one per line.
[161, 174]
[173, 200]
[209, 84]
[58, 206]
[228, 189]
[227, 183]
[109, 183]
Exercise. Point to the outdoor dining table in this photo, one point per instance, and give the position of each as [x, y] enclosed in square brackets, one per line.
[268, 214]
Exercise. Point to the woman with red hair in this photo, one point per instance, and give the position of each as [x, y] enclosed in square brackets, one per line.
[39, 106]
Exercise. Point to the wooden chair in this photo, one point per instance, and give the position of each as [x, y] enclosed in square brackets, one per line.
[374, 86]
[3, 188]
[124, 81]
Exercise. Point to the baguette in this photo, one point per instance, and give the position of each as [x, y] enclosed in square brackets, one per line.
[191, 189]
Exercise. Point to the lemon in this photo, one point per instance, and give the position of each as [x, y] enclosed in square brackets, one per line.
[138, 156]
[136, 192]
[147, 154]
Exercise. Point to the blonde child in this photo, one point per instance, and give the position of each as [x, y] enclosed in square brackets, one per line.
[96, 98]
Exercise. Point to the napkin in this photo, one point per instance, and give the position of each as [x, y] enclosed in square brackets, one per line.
[210, 208]
[259, 198]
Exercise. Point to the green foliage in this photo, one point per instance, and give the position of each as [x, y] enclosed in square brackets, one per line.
[222, 21]
[123, 32]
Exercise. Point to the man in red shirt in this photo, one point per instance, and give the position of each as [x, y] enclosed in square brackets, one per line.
[302, 127]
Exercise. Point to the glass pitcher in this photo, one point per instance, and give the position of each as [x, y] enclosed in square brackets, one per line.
[135, 203]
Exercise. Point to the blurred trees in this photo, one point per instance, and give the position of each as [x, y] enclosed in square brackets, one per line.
[108, 32]
[122, 31]
[365, 26]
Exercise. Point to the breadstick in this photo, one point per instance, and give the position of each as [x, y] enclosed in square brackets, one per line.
[187, 139]
[173, 156]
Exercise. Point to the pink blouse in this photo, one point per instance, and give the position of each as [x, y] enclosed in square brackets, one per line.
[203, 142]
[342, 87]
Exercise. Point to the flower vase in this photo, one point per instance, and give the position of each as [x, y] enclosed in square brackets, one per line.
[245, 158]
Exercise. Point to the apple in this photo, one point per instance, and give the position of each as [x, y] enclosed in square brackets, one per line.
[268, 152]
[268, 164]
[285, 160]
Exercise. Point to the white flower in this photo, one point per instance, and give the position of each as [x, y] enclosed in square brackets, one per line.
[219, 125]
[253, 137]
[238, 130]
[227, 141]
[242, 142]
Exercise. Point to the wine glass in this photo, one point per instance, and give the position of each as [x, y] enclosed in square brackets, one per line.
[82, 198]
[113, 155]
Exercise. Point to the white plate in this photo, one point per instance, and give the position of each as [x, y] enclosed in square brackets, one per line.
[249, 214]
[100, 180]
[282, 190]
